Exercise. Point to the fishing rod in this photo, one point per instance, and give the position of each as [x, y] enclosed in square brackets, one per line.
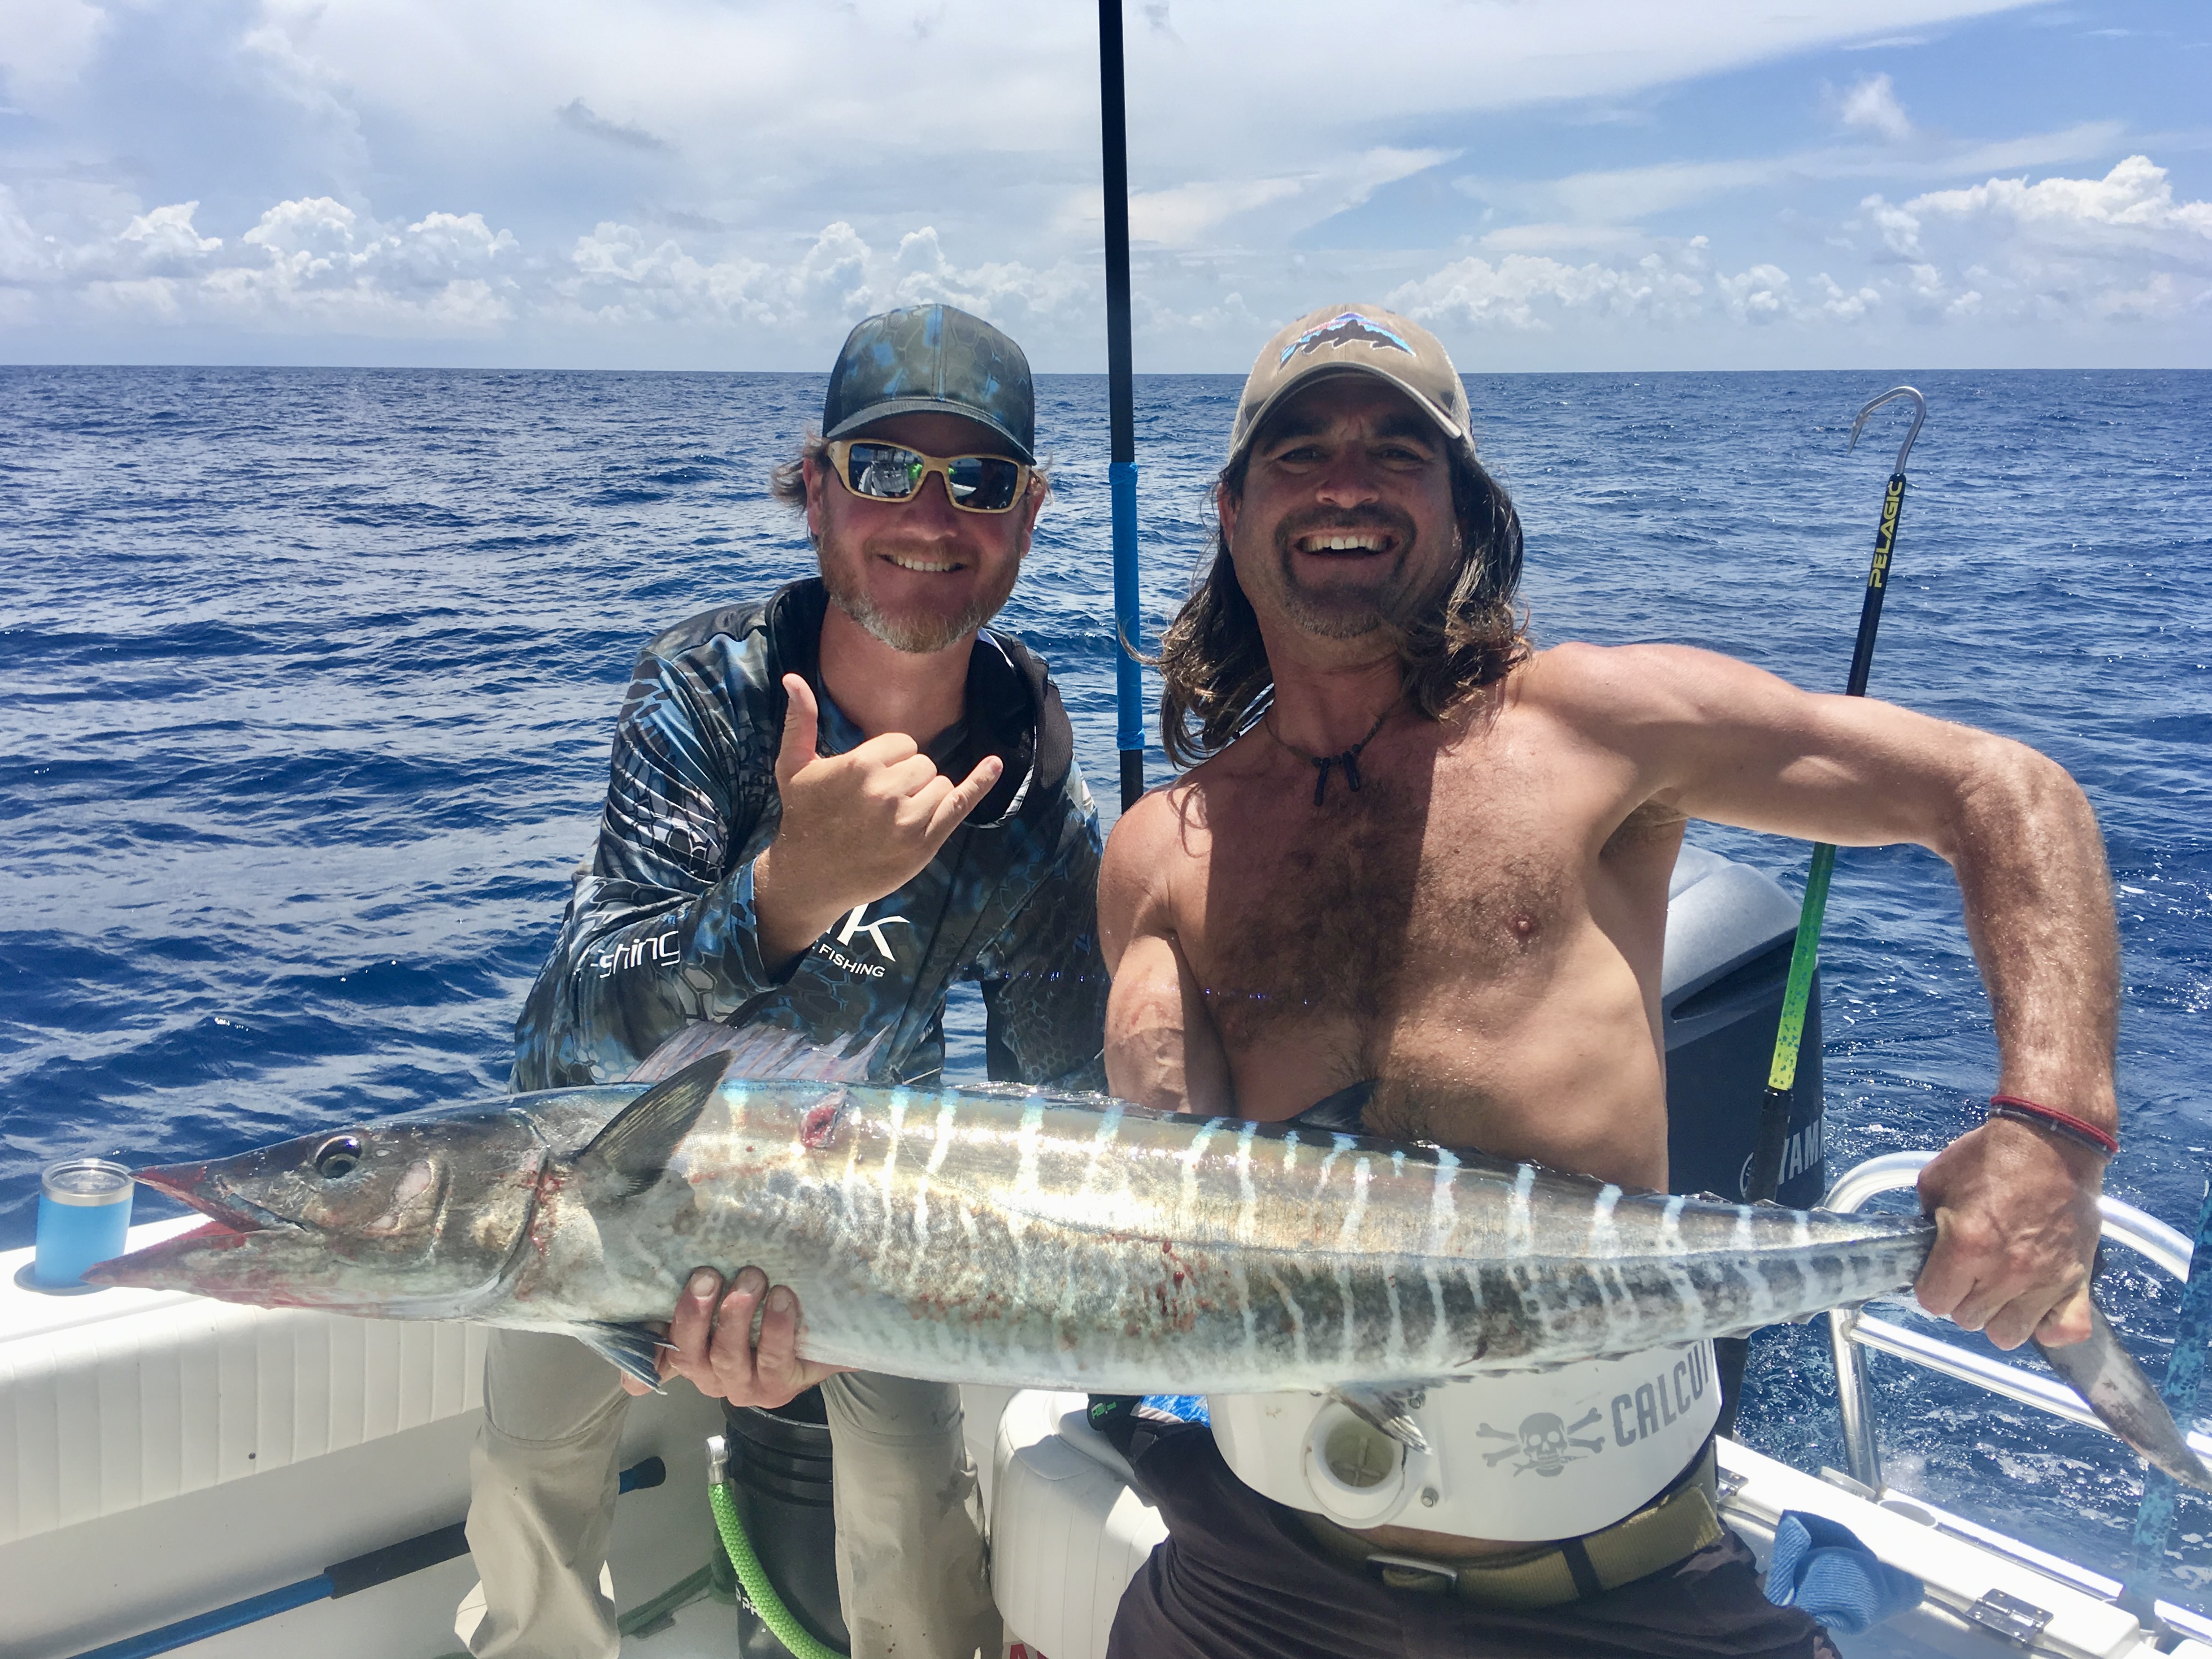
[1122, 468]
[1804, 956]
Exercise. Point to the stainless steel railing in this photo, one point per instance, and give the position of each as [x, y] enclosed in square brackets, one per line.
[1852, 1332]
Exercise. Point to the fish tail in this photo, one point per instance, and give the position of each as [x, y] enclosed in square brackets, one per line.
[2105, 1375]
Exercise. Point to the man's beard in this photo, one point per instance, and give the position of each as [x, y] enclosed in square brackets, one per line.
[1347, 610]
[919, 635]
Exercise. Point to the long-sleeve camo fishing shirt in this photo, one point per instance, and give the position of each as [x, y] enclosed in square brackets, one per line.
[660, 931]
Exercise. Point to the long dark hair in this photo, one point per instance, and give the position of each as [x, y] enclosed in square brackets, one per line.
[1214, 667]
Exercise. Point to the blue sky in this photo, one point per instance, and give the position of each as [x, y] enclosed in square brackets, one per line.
[1568, 185]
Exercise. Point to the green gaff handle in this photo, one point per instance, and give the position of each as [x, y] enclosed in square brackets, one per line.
[1790, 1034]
[750, 1573]
[1805, 956]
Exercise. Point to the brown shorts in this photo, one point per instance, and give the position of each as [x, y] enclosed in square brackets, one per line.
[1240, 1577]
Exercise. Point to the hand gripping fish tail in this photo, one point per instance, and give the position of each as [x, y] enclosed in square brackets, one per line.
[991, 1234]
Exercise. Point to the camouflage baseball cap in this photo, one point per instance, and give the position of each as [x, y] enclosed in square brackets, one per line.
[931, 360]
[1356, 339]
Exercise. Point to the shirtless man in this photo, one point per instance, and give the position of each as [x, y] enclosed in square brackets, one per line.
[1440, 894]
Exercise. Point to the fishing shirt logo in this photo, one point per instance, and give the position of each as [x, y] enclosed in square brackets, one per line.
[854, 928]
[1347, 328]
[662, 949]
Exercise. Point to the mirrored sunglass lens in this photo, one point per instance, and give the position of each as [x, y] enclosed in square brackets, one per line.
[985, 483]
[887, 473]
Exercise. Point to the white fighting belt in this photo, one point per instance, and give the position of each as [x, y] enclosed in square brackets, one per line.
[1525, 1456]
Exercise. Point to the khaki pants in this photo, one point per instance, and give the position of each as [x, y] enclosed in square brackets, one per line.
[910, 1553]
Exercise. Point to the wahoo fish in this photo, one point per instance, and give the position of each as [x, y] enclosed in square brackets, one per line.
[988, 1234]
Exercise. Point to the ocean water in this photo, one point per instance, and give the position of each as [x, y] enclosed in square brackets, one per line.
[307, 677]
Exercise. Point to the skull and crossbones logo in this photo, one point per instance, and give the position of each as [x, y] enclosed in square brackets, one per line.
[1543, 1442]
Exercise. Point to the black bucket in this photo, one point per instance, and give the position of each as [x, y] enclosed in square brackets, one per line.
[780, 1481]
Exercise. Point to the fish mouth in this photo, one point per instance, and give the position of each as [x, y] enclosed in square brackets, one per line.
[193, 1184]
[167, 1265]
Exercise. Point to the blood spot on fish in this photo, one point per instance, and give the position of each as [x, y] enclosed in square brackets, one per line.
[821, 1122]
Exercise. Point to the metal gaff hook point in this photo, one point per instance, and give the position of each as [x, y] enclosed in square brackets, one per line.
[1919, 414]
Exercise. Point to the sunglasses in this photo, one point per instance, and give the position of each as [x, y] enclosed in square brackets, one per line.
[892, 472]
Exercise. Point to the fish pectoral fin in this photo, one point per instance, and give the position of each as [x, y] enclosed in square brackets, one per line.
[1740, 1333]
[628, 1155]
[632, 1350]
[1390, 1409]
[764, 1052]
[2113, 1386]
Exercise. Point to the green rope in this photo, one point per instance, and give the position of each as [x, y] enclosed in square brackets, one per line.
[754, 1576]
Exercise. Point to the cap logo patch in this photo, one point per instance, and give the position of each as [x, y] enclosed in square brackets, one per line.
[1346, 329]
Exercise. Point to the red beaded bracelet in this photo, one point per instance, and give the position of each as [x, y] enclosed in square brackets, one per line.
[2050, 1117]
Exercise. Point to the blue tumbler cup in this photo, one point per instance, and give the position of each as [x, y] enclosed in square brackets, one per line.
[84, 1217]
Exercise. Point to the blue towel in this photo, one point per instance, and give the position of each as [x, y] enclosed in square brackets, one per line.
[1820, 1566]
[1184, 1408]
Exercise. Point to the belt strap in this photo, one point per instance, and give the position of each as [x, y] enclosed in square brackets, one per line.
[1679, 1522]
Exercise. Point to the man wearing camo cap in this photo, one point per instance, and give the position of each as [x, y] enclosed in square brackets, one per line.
[826, 808]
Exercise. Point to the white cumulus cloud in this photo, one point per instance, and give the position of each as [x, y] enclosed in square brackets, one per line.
[1671, 287]
[2132, 208]
[620, 275]
[307, 264]
[2116, 248]
[1872, 105]
[1529, 292]
[166, 234]
[1767, 293]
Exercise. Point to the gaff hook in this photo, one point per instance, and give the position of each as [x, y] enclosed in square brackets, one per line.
[1774, 1113]
[1919, 414]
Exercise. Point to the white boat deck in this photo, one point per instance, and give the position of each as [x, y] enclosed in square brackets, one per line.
[162, 1456]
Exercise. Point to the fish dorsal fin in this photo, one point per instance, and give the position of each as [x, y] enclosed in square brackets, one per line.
[766, 1052]
[630, 1154]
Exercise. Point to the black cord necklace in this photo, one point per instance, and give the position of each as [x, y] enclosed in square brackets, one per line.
[1348, 761]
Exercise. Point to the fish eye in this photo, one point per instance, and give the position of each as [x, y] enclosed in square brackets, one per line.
[338, 1156]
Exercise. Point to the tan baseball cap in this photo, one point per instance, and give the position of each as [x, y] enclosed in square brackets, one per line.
[1356, 339]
